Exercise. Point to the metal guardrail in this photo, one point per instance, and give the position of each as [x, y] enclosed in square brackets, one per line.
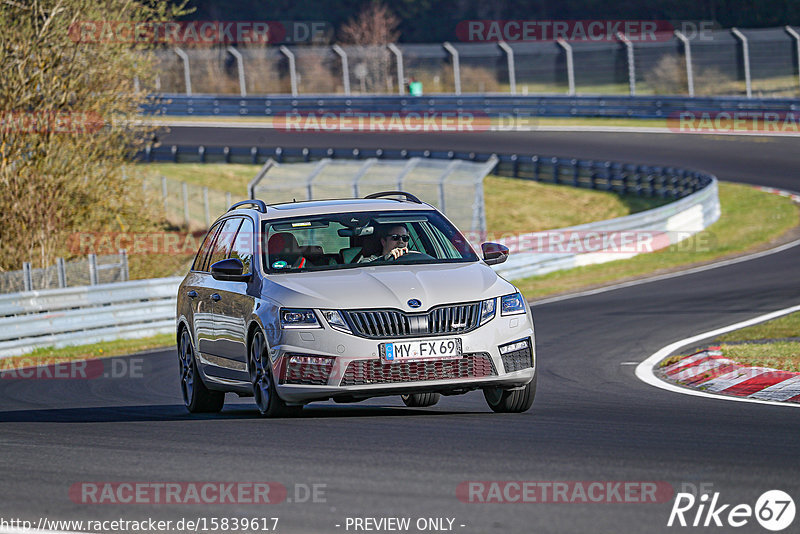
[662, 227]
[621, 178]
[85, 315]
[493, 105]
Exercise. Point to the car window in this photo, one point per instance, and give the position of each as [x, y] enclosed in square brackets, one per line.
[339, 241]
[224, 241]
[205, 247]
[243, 246]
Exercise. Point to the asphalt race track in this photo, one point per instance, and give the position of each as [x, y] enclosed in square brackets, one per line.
[592, 419]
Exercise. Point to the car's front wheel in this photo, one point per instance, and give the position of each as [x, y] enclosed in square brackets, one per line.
[420, 400]
[264, 391]
[511, 401]
[196, 396]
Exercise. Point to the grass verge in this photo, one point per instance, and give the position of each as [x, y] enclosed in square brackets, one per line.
[52, 355]
[749, 218]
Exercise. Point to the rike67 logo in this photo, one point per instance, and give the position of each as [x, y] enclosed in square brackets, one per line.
[774, 510]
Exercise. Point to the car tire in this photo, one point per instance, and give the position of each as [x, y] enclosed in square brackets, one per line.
[420, 400]
[196, 396]
[513, 401]
[261, 378]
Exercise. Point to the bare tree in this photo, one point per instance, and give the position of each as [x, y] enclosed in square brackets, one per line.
[371, 31]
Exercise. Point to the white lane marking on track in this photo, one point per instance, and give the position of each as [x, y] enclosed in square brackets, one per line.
[644, 371]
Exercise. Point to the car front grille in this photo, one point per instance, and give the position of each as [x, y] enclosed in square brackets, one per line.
[519, 359]
[363, 372]
[443, 320]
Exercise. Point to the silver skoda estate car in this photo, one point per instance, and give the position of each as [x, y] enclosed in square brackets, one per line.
[346, 300]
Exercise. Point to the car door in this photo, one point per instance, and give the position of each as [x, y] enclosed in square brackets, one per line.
[235, 305]
[197, 296]
[227, 328]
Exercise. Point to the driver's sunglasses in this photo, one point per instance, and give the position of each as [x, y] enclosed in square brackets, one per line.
[400, 237]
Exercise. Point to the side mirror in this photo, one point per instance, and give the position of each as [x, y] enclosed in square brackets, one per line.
[494, 253]
[229, 270]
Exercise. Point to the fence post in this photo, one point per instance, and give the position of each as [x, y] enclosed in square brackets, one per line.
[27, 278]
[205, 207]
[292, 70]
[345, 68]
[570, 65]
[123, 265]
[746, 57]
[240, 67]
[456, 66]
[164, 192]
[62, 272]
[398, 54]
[185, 193]
[512, 75]
[228, 199]
[187, 77]
[791, 31]
[92, 270]
[631, 66]
[687, 54]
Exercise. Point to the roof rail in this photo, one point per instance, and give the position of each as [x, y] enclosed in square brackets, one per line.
[408, 196]
[262, 207]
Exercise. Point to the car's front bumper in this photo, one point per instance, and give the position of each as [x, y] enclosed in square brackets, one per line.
[357, 371]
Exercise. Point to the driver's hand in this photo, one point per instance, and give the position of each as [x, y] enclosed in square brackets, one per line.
[396, 253]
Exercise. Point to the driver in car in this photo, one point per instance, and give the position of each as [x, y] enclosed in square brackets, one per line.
[395, 244]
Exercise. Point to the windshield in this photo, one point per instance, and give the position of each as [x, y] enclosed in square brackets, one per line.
[353, 240]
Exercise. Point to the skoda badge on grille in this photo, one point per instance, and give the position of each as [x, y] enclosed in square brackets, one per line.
[414, 303]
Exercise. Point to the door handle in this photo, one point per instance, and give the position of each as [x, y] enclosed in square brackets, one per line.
[192, 294]
[215, 297]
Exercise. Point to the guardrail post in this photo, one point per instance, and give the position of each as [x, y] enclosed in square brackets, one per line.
[62, 272]
[185, 194]
[746, 59]
[254, 155]
[570, 65]
[576, 172]
[164, 192]
[631, 66]
[123, 265]
[554, 161]
[205, 207]
[514, 165]
[345, 68]
[687, 54]
[92, 269]
[398, 54]
[27, 279]
[512, 75]
[456, 65]
[292, 70]
[187, 77]
[791, 31]
[537, 168]
[201, 153]
[240, 67]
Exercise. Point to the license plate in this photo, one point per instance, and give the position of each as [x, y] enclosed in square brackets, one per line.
[421, 350]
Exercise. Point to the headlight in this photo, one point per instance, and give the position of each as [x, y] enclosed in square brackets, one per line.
[487, 310]
[336, 320]
[298, 318]
[512, 304]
